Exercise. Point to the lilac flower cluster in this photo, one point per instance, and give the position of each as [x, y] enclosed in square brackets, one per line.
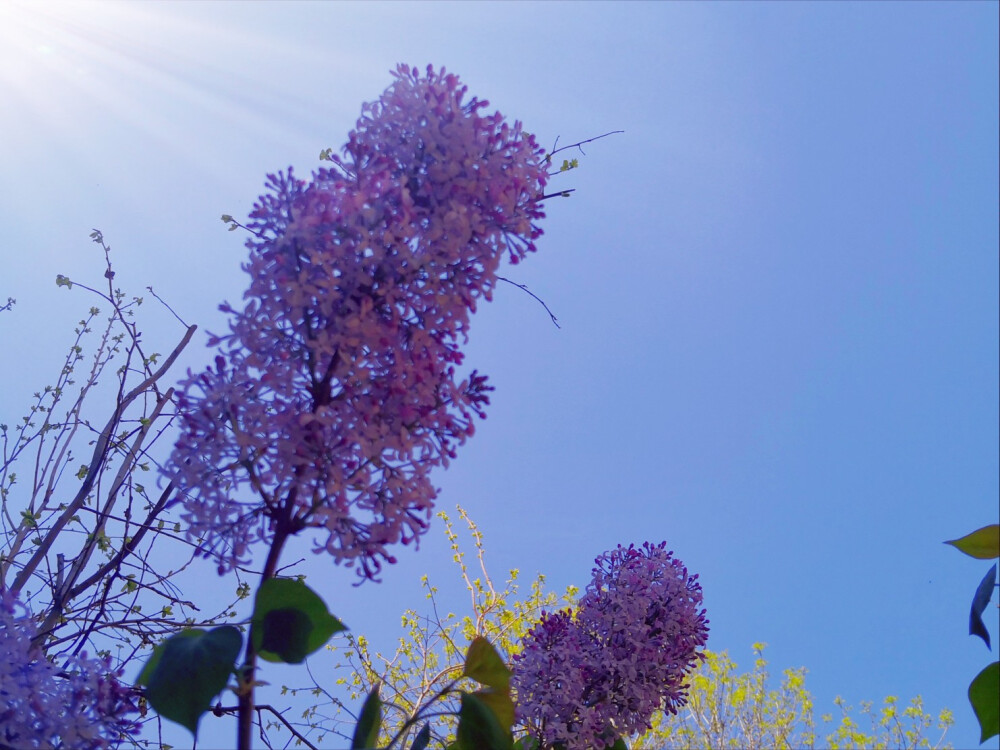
[335, 391]
[583, 680]
[75, 704]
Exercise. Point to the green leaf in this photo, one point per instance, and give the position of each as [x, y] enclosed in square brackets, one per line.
[63, 281]
[187, 670]
[423, 738]
[290, 621]
[984, 695]
[286, 632]
[484, 665]
[478, 727]
[500, 704]
[619, 745]
[984, 592]
[983, 544]
[366, 732]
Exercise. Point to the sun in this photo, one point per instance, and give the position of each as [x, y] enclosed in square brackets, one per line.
[73, 72]
[52, 53]
[39, 40]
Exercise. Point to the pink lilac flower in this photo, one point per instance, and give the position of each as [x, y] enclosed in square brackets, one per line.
[336, 390]
[75, 703]
[583, 681]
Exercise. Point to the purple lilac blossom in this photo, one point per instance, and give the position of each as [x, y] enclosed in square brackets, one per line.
[583, 681]
[336, 391]
[77, 703]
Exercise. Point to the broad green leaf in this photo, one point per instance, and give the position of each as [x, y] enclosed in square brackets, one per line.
[619, 745]
[290, 621]
[984, 593]
[187, 670]
[369, 723]
[984, 695]
[478, 727]
[983, 544]
[286, 632]
[484, 665]
[422, 739]
[500, 704]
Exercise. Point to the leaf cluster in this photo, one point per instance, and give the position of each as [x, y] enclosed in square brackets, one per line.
[984, 690]
[729, 709]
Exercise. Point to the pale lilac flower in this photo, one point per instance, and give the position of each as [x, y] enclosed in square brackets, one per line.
[66, 704]
[623, 655]
[336, 390]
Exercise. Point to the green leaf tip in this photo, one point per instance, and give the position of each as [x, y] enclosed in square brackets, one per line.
[984, 695]
[983, 544]
[484, 665]
[369, 723]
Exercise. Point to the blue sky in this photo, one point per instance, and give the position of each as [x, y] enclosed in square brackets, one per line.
[778, 289]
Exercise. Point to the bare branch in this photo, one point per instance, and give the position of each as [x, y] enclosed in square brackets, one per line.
[524, 288]
[173, 312]
[98, 457]
[580, 144]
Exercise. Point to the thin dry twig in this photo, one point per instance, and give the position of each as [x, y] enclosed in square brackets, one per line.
[524, 288]
[580, 144]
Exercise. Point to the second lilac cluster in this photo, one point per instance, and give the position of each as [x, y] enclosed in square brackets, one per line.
[586, 678]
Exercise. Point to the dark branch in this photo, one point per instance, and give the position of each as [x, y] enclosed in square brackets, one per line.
[167, 306]
[579, 144]
[524, 288]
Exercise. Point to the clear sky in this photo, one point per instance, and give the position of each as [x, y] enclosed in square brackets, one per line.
[778, 289]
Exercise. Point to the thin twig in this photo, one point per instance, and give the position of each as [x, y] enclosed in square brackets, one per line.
[524, 288]
[167, 306]
[579, 144]
[220, 710]
[560, 194]
[98, 459]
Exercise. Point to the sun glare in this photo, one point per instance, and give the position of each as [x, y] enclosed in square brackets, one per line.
[51, 54]
[171, 73]
[42, 41]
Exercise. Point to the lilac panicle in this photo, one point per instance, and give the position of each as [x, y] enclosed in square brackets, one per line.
[335, 391]
[586, 680]
[76, 703]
